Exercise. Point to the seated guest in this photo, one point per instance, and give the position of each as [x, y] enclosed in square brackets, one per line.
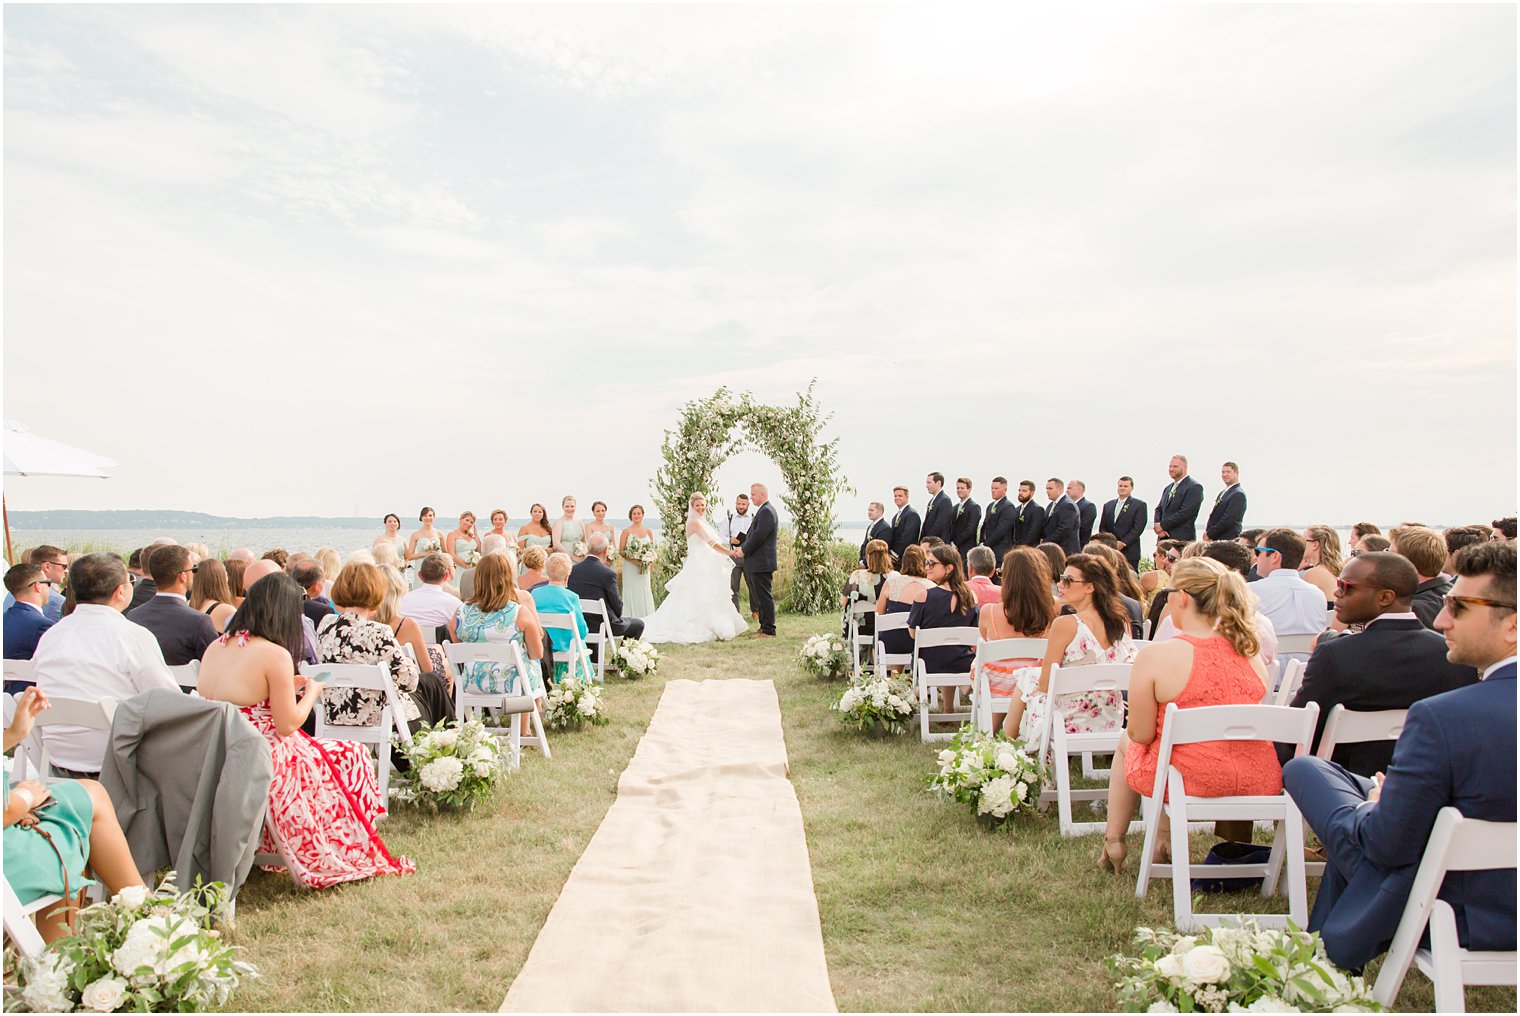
[1391, 664]
[1504, 529]
[54, 565]
[1168, 553]
[1458, 537]
[949, 603]
[1129, 588]
[1294, 606]
[1238, 559]
[555, 597]
[899, 592]
[352, 635]
[982, 566]
[183, 633]
[1092, 628]
[1056, 557]
[234, 568]
[143, 589]
[312, 580]
[1371, 544]
[1214, 661]
[380, 555]
[864, 585]
[325, 798]
[431, 604]
[279, 555]
[56, 831]
[331, 564]
[1362, 530]
[500, 612]
[407, 631]
[592, 579]
[532, 560]
[1457, 750]
[1106, 539]
[1427, 552]
[242, 554]
[24, 619]
[211, 593]
[1024, 611]
[1322, 562]
[95, 653]
[262, 569]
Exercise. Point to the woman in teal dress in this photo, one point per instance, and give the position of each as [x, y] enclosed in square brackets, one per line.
[638, 589]
[554, 597]
[497, 612]
[392, 536]
[420, 544]
[568, 531]
[80, 820]
[462, 545]
[537, 532]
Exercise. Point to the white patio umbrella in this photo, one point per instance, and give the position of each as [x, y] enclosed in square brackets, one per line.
[26, 454]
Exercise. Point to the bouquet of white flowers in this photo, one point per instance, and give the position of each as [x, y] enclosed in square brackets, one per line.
[574, 703]
[641, 551]
[878, 703]
[578, 549]
[634, 658]
[471, 557]
[1235, 969]
[454, 766]
[825, 656]
[994, 775]
[144, 951]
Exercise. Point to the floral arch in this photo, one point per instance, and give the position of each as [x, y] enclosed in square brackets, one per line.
[712, 429]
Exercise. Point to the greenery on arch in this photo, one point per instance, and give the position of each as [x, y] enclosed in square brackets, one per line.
[712, 429]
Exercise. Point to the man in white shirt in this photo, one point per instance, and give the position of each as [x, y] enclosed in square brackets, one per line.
[1294, 606]
[731, 528]
[431, 605]
[95, 653]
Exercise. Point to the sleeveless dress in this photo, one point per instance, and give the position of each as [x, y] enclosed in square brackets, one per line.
[425, 545]
[898, 642]
[1086, 712]
[570, 534]
[484, 676]
[1220, 677]
[638, 589]
[31, 867]
[464, 576]
[544, 542]
[323, 803]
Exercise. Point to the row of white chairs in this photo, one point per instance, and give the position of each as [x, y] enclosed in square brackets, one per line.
[598, 637]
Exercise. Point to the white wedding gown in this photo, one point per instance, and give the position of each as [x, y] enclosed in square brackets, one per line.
[697, 606]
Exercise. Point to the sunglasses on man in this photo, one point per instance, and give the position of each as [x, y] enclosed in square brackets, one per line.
[1458, 604]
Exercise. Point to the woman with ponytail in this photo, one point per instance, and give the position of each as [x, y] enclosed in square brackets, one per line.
[1214, 661]
[950, 603]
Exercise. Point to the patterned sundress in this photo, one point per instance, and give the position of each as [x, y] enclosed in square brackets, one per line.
[485, 676]
[1086, 712]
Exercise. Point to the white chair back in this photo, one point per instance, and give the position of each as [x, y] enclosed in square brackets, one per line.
[895, 621]
[599, 633]
[508, 704]
[20, 670]
[937, 638]
[983, 705]
[1145, 629]
[1346, 726]
[1292, 678]
[91, 715]
[1302, 644]
[391, 722]
[576, 648]
[187, 675]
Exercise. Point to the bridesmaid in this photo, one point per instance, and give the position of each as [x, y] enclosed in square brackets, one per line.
[420, 544]
[601, 525]
[638, 590]
[568, 531]
[499, 528]
[537, 532]
[461, 541]
[392, 535]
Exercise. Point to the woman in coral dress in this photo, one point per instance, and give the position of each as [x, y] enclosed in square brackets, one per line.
[324, 800]
[1214, 661]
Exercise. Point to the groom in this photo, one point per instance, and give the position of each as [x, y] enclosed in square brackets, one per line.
[758, 558]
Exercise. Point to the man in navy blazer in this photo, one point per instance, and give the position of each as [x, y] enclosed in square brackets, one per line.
[878, 528]
[24, 618]
[183, 634]
[1228, 516]
[939, 512]
[1457, 750]
[1177, 511]
[1028, 517]
[905, 525]
[997, 522]
[1061, 519]
[1125, 517]
[1087, 512]
[965, 520]
[758, 558]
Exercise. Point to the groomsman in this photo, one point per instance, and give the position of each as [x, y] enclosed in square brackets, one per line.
[878, 528]
[1087, 512]
[1125, 517]
[1061, 518]
[1229, 512]
[905, 524]
[1177, 514]
[997, 523]
[966, 520]
[1029, 520]
[938, 513]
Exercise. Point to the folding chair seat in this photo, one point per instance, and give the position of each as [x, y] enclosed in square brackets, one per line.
[1169, 797]
[925, 683]
[514, 701]
[377, 735]
[1097, 677]
[858, 640]
[1455, 844]
[983, 704]
[895, 621]
[599, 636]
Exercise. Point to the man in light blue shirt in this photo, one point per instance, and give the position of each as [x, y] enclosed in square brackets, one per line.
[1294, 606]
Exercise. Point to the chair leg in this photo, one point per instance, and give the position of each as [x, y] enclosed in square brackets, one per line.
[538, 731]
[1298, 879]
[1062, 764]
[1182, 868]
[1275, 860]
[1446, 959]
[1151, 812]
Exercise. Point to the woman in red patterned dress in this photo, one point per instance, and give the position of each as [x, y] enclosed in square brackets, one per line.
[324, 799]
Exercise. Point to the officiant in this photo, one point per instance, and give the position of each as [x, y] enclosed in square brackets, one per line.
[732, 530]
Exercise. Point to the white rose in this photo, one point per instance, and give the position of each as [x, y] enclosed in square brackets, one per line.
[1270, 1003]
[483, 770]
[1170, 967]
[945, 758]
[1206, 964]
[133, 896]
[1184, 944]
[445, 738]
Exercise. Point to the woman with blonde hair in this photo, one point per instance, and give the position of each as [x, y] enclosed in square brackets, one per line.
[530, 574]
[1322, 561]
[407, 631]
[1214, 661]
[331, 564]
[383, 554]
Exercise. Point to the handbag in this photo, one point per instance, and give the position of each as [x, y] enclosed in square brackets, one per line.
[72, 912]
[1231, 852]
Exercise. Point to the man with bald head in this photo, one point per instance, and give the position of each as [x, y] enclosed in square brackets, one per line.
[266, 567]
[1391, 664]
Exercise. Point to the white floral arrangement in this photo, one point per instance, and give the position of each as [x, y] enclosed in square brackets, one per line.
[634, 658]
[641, 551]
[880, 703]
[578, 549]
[574, 703]
[825, 656]
[452, 766]
[144, 951]
[1235, 969]
[471, 557]
[994, 775]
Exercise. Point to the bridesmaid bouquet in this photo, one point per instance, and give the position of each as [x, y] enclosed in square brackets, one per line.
[471, 557]
[991, 773]
[641, 551]
[144, 951]
[578, 548]
[452, 767]
[573, 703]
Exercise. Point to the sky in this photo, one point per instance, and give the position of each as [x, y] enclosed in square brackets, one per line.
[347, 260]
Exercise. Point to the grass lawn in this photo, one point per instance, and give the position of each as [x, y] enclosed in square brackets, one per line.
[921, 908]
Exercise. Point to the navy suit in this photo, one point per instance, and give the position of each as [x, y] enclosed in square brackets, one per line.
[24, 625]
[1087, 517]
[1127, 528]
[964, 522]
[881, 529]
[997, 529]
[937, 517]
[1457, 750]
[759, 564]
[593, 580]
[1061, 522]
[1028, 524]
[144, 591]
[905, 530]
[1177, 512]
[183, 634]
[1228, 516]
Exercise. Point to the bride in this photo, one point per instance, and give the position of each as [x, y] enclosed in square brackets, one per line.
[697, 606]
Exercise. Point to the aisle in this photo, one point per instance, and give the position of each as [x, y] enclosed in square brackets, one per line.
[696, 893]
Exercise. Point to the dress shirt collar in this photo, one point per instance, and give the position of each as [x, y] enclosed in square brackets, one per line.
[178, 596]
[1508, 661]
[1401, 615]
[96, 610]
[23, 603]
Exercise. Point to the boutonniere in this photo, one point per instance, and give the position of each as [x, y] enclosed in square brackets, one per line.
[1125, 508]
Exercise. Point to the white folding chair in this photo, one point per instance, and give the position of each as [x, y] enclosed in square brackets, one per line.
[1227, 723]
[895, 621]
[576, 649]
[511, 703]
[187, 675]
[858, 640]
[1347, 726]
[1292, 679]
[19, 923]
[391, 722]
[1145, 629]
[1097, 677]
[91, 715]
[600, 634]
[1455, 844]
[20, 670]
[926, 684]
[1299, 646]
[983, 704]
[429, 634]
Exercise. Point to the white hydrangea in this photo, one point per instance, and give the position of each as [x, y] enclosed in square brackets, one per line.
[442, 774]
[445, 739]
[483, 770]
[142, 947]
[996, 797]
[47, 984]
[1270, 1003]
[1162, 1006]
[587, 704]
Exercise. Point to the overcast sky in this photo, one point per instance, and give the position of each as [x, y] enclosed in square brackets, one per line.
[320, 260]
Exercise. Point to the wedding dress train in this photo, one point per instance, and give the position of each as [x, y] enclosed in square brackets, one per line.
[697, 607]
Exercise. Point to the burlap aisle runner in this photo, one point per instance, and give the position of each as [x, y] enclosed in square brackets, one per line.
[695, 894]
